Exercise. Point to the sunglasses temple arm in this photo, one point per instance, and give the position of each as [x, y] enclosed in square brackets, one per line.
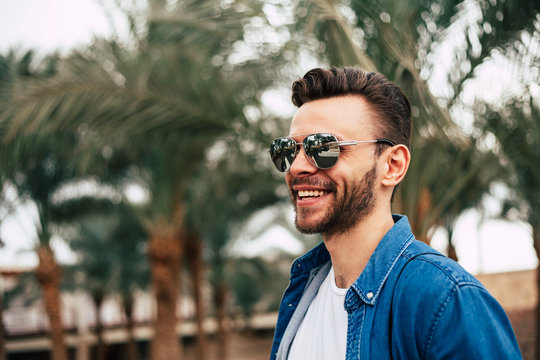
[385, 141]
[355, 142]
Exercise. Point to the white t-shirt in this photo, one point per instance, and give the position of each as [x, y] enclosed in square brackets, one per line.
[323, 332]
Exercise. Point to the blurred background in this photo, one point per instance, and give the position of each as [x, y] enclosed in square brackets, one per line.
[140, 216]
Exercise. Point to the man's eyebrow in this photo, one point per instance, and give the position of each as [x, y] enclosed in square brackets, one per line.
[295, 137]
[321, 132]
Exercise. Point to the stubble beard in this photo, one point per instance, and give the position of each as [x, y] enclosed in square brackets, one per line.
[347, 209]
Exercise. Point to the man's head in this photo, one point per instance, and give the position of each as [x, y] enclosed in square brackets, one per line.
[386, 100]
[359, 152]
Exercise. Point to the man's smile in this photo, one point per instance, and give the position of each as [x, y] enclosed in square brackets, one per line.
[310, 192]
[306, 194]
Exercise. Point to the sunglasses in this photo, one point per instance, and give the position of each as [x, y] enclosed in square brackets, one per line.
[322, 150]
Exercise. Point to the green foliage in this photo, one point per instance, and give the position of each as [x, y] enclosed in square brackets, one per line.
[257, 283]
[231, 187]
[248, 283]
[26, 291]
[177, 109]
[517, 130]
[513, 125]
[402, 39]
[36, 166]
[110, 250]
[160, 103]
[148, 112]
[326, 22]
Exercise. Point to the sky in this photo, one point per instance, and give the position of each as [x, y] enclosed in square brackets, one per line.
[49, 25]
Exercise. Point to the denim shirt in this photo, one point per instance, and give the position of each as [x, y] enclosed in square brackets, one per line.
[409, 302]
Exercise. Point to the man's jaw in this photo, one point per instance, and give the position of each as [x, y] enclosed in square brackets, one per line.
[313, 198]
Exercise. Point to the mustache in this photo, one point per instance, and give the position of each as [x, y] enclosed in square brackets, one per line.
[316, 182]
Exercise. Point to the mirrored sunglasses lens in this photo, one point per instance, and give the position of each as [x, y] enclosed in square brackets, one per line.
[322, 149]
[283, 152]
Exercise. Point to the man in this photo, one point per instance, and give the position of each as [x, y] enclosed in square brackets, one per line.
[369, 290]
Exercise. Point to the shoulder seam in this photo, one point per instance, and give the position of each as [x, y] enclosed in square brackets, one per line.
[442, 308]
[435, 322]
[448, 275]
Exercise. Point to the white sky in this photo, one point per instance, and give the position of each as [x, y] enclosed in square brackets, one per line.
[49, 25]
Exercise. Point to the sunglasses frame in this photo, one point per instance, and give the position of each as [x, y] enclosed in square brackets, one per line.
[311, 158]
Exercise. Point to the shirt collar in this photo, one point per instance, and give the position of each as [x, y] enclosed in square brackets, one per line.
[369, 283]
[312, 259]
[371, 280]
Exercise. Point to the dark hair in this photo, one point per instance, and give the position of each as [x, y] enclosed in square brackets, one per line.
[388, 102]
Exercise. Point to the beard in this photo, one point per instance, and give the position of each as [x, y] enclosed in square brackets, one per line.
[348, 208]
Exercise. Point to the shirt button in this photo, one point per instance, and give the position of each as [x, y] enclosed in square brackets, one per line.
[370, 295]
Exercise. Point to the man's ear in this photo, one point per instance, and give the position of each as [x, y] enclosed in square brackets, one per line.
[396, 163]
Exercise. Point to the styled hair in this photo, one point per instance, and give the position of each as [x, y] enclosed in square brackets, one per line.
[387, 101]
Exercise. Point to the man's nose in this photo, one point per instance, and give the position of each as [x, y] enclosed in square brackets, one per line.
[301, 165]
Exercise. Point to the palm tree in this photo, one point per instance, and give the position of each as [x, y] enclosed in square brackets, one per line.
[93, 270]
[164, 99]
[36, 168]
[133, 270]
[110, 262]
[481, 169]
[431, 191]
[36, 182]
[519, 146]
[40, 173]
[397, 37]
[515, 123]
[392, 49]
[218, 205]
[193, 245]
[2, 331]
[6, 208]
[248, 283]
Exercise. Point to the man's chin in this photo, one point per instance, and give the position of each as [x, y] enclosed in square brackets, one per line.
[308, 227]
[313, 221]
[307, 230]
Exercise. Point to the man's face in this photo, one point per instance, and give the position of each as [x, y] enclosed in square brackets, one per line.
[332, 201]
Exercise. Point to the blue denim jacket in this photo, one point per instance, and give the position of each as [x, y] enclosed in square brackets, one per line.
[410, 302]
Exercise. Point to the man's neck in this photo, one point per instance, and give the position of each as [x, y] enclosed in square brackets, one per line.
[350, 251]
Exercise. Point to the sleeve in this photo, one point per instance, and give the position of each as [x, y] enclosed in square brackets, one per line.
[468, 323]
[442, 312]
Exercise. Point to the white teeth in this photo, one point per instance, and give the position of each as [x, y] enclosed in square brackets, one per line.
[311, 193]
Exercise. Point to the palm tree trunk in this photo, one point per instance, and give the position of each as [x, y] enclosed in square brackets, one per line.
[194, 249]
[452, 253]
[97, 297]
[127, 301]
[220, 293]
[48, 276]
[2, 331]
[536, 242]
[419, 226]
[164, 251]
